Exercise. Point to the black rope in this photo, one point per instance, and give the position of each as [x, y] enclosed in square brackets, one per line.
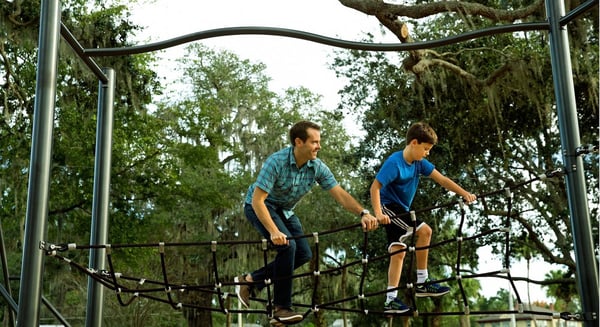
[113, 280]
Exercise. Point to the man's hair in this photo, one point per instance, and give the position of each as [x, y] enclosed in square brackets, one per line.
[422, 132]
[299, 130]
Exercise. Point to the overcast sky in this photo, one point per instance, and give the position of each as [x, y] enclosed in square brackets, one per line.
[290, 62]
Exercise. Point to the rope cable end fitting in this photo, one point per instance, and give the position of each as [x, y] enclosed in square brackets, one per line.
[411, 249]
[586, 149]
[213, 246]
[264, 244]
[179, 306]
[467, 311]
[183, 288]
[508, 192]
[316, 237]
[108, 248]
[142, 281]
[316, 273]
[413, 215]
[71, 246]
[552, 173]
[365, 260]
[161, 247]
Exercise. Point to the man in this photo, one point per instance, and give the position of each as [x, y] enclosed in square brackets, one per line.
[286, 176]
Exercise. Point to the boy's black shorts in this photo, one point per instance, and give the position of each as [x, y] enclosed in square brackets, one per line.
[401, 226]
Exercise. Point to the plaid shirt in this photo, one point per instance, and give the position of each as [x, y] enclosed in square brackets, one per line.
[286, 184]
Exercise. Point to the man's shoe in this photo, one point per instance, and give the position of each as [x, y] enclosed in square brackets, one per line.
[243, 291]
[395, 306]
[286, 316]
[430, 289]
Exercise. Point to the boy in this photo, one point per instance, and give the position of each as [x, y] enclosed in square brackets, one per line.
[392, 193]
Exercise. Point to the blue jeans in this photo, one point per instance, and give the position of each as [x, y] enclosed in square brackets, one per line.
[288, 258]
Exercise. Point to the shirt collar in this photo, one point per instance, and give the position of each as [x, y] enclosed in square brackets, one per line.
[293, 159]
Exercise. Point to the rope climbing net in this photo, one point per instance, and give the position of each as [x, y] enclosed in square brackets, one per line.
[128, 288]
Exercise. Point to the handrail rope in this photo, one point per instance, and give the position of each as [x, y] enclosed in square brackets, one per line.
[168, 289]
[459, 239]
[316, 273]
[217, 284]
[267, 280]
[363, 273]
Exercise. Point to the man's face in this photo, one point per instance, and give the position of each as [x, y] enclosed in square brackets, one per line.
[309, 149]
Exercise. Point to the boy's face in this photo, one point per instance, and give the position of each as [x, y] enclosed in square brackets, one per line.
[420, 150]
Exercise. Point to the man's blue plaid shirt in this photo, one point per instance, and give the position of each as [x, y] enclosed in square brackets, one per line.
[286, 184]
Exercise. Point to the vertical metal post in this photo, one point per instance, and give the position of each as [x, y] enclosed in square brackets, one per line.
[39, 166]
[587, 270]
[100, 205]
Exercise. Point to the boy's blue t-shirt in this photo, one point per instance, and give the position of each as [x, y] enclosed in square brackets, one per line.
[400, 180]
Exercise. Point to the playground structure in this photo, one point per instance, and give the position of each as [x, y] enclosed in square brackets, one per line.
[51, 29]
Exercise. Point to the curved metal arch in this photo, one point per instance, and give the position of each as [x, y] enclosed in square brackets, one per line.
[353, 45]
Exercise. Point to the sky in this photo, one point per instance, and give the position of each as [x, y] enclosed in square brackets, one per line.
[290, 62]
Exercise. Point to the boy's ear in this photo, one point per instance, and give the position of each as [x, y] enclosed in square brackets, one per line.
[413, 142]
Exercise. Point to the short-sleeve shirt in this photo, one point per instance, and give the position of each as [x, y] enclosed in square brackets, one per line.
[286, 184]
[400, 179]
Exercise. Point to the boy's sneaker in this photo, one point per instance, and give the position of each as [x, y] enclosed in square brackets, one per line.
[430, 288]
[243, 291]
[395, 306]
[286, 316]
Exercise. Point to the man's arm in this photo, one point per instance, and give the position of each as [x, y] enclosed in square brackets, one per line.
[349, 203]
[259, 206]
[450, 185]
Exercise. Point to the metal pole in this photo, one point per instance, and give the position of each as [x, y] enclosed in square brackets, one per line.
[99, 229]
[39, 167]
[587, 270]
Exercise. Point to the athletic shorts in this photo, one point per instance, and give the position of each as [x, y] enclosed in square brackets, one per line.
[401, 226]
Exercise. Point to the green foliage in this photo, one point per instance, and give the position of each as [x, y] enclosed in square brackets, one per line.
[490, 101]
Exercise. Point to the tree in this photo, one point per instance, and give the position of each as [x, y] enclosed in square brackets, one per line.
[138, 174]
[501, 86]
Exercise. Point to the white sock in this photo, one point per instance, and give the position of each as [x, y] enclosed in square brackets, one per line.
[422, 275]
[391, 295]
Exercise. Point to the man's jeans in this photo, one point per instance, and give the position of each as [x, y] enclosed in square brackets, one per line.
[288, 258]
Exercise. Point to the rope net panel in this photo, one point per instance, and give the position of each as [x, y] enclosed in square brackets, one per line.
[163, 288]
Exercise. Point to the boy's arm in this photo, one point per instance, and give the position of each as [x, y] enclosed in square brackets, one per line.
[450, 185]
[376, 203]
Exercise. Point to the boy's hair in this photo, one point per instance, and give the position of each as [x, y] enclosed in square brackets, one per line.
[299, 130]
[422, 132]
